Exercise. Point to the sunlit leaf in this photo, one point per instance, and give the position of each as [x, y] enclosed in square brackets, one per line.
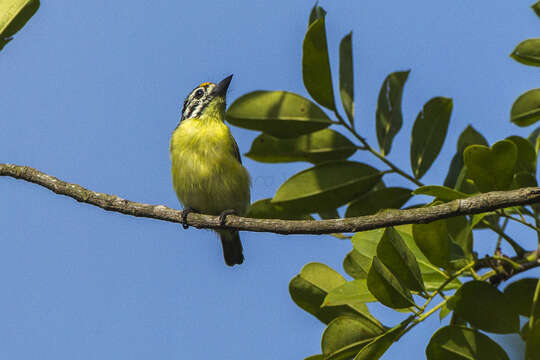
[316, 65]
[315, 357]
[352, 264]
[351, 291]
[433, 241]
[442, 193]
[526, 109]
[365, 247]
[461, 343]
[386, 287]
[485, 308]
[521, 294]
[389, 118]
[429, 132]
[527, 52]
[376, 348]
[491, 168]
[279, 113]
[309, 288]
[469, 136]
[397, 257]
[346, 336]
[316, 147]
[444, 312]
[346, 77]
[14, 14]
[365, 244]
[376, 200]
[327, 186]
[264, 209]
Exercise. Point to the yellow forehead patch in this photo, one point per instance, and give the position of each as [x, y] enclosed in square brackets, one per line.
[205, 84]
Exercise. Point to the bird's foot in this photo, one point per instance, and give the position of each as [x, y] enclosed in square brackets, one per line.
[185, 213]
[224, 214]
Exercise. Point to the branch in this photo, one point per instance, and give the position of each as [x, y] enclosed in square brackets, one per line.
[472, 205]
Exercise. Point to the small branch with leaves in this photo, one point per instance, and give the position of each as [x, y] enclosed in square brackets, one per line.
[472, 205]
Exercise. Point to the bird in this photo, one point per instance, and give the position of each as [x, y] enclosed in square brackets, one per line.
[207, 172]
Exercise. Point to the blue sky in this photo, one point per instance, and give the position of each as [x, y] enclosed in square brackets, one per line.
[90, 94]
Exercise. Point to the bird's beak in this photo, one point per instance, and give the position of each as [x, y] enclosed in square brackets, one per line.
[221, 88]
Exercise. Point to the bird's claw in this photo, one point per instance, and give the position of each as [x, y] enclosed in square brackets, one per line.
[185, 213]
[224, 214]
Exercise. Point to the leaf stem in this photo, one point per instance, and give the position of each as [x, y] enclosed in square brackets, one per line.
[366, 146]
[521, 221]
[517, 248]
[534, 304]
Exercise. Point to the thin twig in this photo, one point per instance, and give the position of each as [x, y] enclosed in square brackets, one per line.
[472, 205]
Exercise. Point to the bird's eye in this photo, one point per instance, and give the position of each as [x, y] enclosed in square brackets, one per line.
[199, 93]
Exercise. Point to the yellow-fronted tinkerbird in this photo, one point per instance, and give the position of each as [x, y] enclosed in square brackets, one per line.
[207, 172]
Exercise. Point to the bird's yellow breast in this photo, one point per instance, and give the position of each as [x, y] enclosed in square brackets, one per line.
[205, 172]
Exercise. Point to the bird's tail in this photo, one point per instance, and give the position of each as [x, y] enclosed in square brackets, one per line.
[232, 247]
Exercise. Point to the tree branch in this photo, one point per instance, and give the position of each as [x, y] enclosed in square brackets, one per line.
[472, 205]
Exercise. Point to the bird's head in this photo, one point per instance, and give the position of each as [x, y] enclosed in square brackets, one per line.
[206, 99]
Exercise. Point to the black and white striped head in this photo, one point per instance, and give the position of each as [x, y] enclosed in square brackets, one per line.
[203, 97]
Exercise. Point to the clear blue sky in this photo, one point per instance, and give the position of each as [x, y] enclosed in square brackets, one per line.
[90, 93]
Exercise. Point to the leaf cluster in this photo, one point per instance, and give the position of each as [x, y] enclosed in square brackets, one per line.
[404, 268]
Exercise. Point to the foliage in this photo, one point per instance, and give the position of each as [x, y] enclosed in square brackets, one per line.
[404, 268]
[14, 14]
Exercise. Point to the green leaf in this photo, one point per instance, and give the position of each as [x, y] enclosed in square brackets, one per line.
[365, 244]
[327, 186]
[485, 307]
[376, 200]
[317, 12]
[315, 357]
[444, 312]
[526, 159]
[429, 132]
[526, 109]
[536, 8]
[378, 346]
[397, 257]
[351, 291]
[461, 343]
[433, 241]
[365, 248]
[386, 287]
[346, 336]
[527, 52]
[319, 146]
[278, 113]
[389, 118]
[346, 77]
[469, 136]
[520, 293]
[442, 193]
[525, 179]
[309, 288]
[352, 265]
[264, 209]
[460, 232]
[533, 342]
[316, 65]
[14, 14]
[491, 168]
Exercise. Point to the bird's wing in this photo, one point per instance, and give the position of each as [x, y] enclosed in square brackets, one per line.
[236, 151]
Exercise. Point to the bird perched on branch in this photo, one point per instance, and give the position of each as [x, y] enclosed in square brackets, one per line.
[207, 171]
